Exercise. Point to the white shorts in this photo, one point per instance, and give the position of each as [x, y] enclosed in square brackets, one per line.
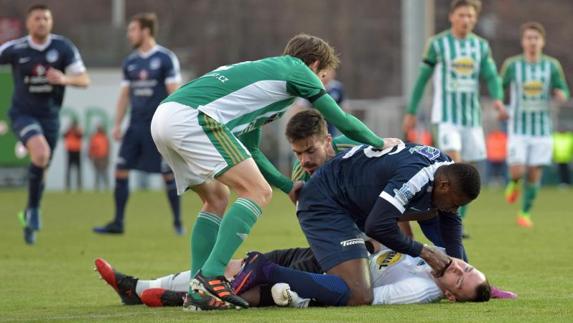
[196, 147]
[529, 150]
[469, 141]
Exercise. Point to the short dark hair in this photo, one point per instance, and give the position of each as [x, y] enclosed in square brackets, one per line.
[37, 6]
[305, 124]
[465, 178]
[533, 25]
[483, 292]
[311, 49]
[147, 20]
[476, 4]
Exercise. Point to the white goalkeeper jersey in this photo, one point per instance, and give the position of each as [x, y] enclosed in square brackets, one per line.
[401, 279]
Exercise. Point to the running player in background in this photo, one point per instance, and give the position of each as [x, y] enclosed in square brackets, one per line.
[208, 130]
[534, 79]
[150, 73]
[43, 64]
[459, 58]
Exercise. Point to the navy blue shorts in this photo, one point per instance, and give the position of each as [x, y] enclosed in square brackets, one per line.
[138, 151]
[331, 232]
[25, 127]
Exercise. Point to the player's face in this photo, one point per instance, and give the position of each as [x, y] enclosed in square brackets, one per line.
[134, 34]
[532, 41]
[313, 151]
[460, 280]
[39, 23]
[445, 198]
[463, 19]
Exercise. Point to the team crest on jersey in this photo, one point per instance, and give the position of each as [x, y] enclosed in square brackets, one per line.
[155, 63]
[533, 88]
[143, 75]
[52, 56]
[387, 259]
[463, 66]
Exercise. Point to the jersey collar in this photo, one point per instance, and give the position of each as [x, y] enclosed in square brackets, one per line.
[39, 47]
[148, 53]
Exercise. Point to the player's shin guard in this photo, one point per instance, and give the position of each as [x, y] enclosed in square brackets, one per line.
[173, 201]
[120, 195]
[235, 228]
[35, 185]
[203, 238]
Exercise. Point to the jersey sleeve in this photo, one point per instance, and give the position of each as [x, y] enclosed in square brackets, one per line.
[429, 62]
[124, 76]
[488, 71]
[73, 60]
[297, 173]
[251, 140]
[342, 142]
[6, 53]
[414, 290]
[302, 82]
[558, 78]
[507, 72]
[172, 69]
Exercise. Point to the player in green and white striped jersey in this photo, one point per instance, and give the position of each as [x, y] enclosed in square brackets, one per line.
[208, 130]
[458, 58]
[534, 79]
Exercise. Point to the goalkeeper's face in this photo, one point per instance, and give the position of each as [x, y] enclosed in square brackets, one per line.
[313, 152]
[39, 23]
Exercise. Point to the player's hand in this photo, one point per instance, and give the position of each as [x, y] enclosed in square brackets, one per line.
[435, 259]
[559, 96]
[502, 114]
[409, 123]
[56, 77]
[296, 187]
[116, 133]
[391, 142]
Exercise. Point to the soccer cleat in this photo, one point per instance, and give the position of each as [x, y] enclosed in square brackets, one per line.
[284, 296]
[124, 285]
[524, 220]
[219, 287]
[179, 229]
[252, 273]
[29, 236]
[502, 294]
[512, 191]
[201, 300]
[157, 297]
[30, 218]
[110, 228]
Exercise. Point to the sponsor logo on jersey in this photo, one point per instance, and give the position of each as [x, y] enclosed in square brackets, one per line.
[131, 67]
[155, 63]
[388, 259]
[39, 70]
[352, 242]
[143, 75]
[533, 88]
[23, 60]
[404, 194]
[463, 66]
[52, 56]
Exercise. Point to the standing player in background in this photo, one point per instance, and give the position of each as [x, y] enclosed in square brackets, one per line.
[43, 64]
[335, 89]
[533, 78]
[150, 73]
[459, 58]
[209, 129]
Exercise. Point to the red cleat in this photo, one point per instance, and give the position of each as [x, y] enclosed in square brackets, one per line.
[157, 297]
[124, 285]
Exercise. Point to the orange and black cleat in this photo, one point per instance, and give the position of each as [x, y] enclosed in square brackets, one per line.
[219, 287]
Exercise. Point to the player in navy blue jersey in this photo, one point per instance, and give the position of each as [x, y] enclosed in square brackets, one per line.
[150, 73]
[43, 64]
[366, 190]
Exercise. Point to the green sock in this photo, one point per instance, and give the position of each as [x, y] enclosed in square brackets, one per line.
[203, 239]
[235, 227]
[528, 197]
[463, 211]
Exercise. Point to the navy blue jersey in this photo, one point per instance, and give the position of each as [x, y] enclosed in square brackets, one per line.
[33, 95]
[147, 75]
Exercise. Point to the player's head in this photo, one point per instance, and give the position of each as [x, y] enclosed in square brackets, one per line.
[39, 21]
[141, 28]
[462, 282]
[455, 185]
[307, 134]
[463, 15]
[314, 52]
[532, 37]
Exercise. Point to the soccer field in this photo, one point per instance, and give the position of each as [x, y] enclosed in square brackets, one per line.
[54, 280]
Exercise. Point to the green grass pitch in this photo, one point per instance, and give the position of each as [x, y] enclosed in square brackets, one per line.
[54, 281]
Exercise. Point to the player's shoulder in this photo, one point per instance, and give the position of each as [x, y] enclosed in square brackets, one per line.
[552, 60]
[62, 41]
[441, 35]
[15, 43]
[165, 52]
[513, 59]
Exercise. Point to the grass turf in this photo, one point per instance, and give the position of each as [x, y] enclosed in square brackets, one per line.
[54, 281]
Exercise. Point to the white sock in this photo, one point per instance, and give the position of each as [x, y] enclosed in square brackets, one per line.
[175, 282]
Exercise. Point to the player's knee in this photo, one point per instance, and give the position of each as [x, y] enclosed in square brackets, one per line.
[360, 297]
[265, 194]
[41, 157]
[121, 173]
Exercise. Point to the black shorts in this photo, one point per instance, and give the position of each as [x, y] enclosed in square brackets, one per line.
[138, 151]
[295, 258]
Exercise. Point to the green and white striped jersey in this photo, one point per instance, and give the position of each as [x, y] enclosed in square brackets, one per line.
[531, 86]
[458, 65]
[247, 95]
